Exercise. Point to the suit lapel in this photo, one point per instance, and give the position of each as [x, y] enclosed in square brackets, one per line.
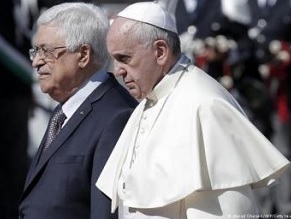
[40, 159]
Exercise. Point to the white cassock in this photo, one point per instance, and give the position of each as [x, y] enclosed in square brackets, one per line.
[190, 153]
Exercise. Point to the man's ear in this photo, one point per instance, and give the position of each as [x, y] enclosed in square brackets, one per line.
[162, 51]
[85, 55]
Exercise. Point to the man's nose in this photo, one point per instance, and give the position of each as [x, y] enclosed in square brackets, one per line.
[37, 61]
[119, 70]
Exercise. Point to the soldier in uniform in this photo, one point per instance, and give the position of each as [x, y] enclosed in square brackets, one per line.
[270, 31]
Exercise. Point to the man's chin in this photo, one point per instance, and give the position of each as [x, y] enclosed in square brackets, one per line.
[135, 94]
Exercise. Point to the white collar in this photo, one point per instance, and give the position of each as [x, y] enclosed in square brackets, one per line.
[73, 103]
[169, 81]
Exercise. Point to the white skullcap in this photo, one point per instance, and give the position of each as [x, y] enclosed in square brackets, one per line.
[150, 13]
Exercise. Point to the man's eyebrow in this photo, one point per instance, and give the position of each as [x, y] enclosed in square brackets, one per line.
[40, 45]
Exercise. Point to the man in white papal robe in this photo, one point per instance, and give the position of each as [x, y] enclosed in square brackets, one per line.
[188, 151]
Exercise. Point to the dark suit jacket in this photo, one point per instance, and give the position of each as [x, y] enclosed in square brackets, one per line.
[61, 183]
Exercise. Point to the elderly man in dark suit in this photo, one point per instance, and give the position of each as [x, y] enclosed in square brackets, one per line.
[69, 55]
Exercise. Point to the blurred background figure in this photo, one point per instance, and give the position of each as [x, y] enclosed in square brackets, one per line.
[16, 102]
[270, 31]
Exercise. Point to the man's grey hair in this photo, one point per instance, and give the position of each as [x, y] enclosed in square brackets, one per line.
[81, 23]
[147, 34]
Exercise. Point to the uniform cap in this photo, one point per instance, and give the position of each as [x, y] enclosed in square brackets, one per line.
[150, 13]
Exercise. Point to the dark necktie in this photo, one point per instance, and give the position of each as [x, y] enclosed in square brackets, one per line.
[54, 127]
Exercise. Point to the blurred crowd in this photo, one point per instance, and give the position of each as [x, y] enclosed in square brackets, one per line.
[244, 44]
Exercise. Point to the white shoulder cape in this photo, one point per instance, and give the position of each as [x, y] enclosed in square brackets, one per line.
[200, 141]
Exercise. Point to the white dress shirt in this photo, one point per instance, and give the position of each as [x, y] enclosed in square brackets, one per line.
[73, 103]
